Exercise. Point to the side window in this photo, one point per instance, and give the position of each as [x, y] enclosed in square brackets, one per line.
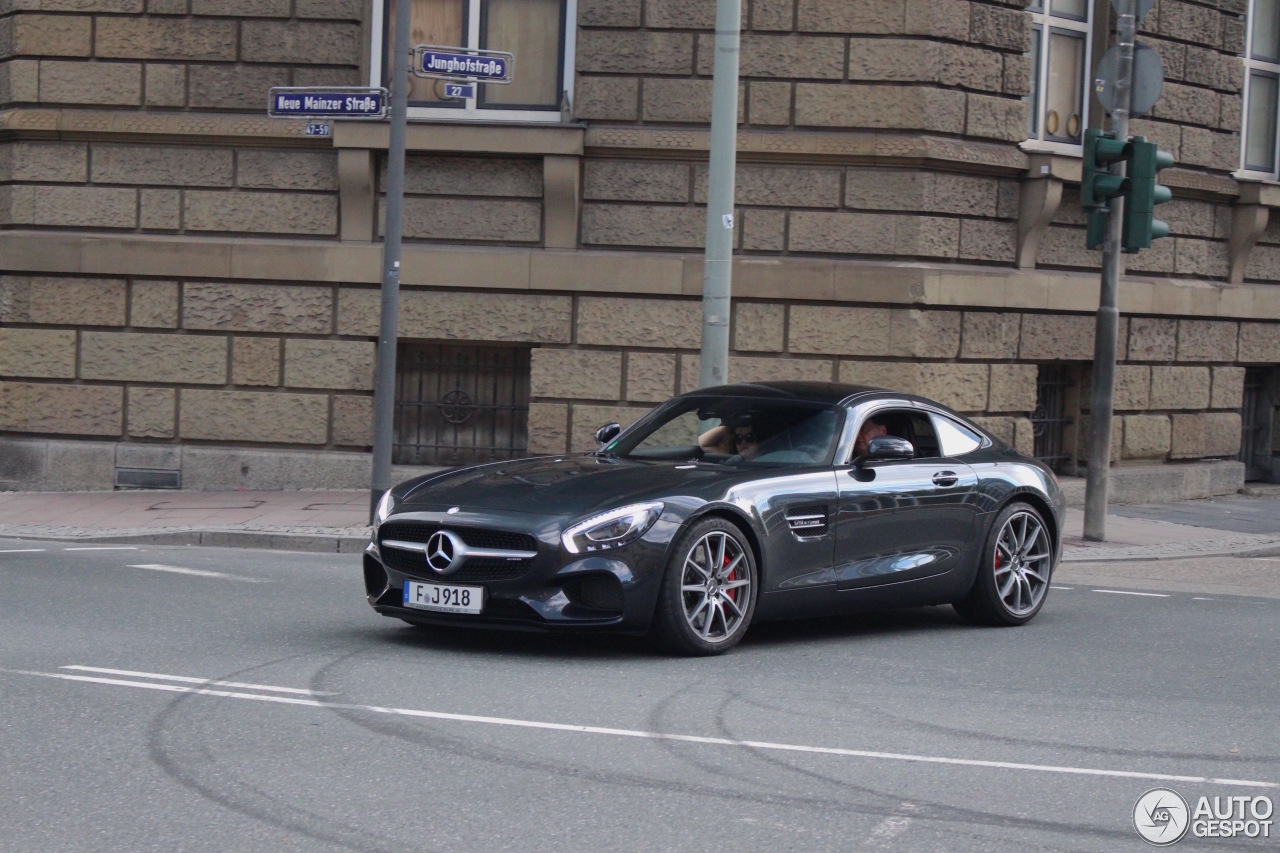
[955, 439]
[910, 424]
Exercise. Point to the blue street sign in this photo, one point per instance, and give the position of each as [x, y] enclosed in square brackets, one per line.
[455, 63]
[317, 130]
[351, 102]
[459, 90]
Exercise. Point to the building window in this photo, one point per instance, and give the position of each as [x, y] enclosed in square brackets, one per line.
[1261, 89]
[533, 31]
[1257, 413]
[460, 405]
[1060, 35]
[1050, 418]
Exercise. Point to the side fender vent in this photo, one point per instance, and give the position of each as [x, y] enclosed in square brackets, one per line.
[808, 521]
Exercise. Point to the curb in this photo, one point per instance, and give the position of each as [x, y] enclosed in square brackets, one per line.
[263, 540]
[1136, 553]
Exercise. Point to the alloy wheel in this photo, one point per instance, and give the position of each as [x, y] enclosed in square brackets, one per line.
[715, 587]
[1022, 562]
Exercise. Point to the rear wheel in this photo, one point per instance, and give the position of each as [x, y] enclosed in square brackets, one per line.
[708, 592]
[1013, 576]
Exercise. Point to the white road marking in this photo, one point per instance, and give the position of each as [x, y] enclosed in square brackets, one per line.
[661, 736]
[23, 551]
[189, 680]
[1131, 592]
[104, 548]
[1204, 599]
[1068, 588]
[200, 573]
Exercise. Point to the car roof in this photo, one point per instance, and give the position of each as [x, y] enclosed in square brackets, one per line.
[825, 393]
[820, 393]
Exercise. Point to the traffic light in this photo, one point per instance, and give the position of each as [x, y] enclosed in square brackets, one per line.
[1140, 226]
[1097, 185]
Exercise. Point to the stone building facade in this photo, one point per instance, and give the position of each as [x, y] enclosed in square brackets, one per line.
[189, 289]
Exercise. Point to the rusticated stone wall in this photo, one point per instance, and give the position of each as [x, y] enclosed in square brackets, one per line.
[1197, 247]
[1178, 387]
[938, 66]
[189, 189]
[291, 365]
[174, 54]
[843, 210]
[469, 199]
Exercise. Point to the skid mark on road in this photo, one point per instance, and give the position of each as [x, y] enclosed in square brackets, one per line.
[644, 735]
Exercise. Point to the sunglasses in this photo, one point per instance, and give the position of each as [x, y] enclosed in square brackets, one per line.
[739, 437]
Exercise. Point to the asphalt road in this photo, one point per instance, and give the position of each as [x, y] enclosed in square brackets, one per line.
[171, 699]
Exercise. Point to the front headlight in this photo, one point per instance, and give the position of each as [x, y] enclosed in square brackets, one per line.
[611, 529]
[383, 510]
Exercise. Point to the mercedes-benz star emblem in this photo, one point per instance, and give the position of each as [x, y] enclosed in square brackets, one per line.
[442, 551]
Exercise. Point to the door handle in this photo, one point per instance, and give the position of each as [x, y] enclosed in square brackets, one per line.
[945, 478]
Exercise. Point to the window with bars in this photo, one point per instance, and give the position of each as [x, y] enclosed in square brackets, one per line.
[459, 404]
[533, 31]
[1261, 89]
[1060, 36]
[1051, 417]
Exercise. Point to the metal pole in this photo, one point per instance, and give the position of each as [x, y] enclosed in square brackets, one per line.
[384, 397]
[1104, 344]
[718, 257]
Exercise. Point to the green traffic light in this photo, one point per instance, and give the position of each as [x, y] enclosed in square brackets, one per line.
[1097, 185]
[1140, 225]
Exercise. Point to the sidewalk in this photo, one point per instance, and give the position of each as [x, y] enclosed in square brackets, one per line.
[336, 521]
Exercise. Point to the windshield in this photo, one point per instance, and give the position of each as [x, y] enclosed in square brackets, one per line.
[734, 431]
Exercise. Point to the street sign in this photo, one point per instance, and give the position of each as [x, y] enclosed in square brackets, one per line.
[460, 63]
[459, 90]
[317, 130]
[1148, 79]
[357, 102]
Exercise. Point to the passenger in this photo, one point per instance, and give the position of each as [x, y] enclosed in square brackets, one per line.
[871, 428]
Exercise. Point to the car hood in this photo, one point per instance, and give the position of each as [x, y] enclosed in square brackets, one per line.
[562, 486]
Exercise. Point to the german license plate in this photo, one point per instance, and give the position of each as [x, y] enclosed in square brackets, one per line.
[443, 598]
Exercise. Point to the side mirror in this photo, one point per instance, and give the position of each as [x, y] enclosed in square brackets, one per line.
[607, 433]
[887, 447]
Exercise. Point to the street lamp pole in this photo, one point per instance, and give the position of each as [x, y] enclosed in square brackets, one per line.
[384, 396]
[717, 275]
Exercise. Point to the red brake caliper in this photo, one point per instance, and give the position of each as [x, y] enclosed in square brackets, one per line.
[731, 593]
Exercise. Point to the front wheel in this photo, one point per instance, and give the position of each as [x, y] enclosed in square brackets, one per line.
[1014, 572]
[708, 592]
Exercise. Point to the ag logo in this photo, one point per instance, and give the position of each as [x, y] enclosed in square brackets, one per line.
[1161, 816]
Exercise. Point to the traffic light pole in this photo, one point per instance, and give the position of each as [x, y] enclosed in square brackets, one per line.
[1104, 345]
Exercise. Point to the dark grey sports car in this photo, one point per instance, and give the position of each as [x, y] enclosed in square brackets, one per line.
[724, 506]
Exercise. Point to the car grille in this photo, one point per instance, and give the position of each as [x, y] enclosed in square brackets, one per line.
[475, 569]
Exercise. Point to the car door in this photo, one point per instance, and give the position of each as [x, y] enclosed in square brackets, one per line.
[796, 511]
[904, 520]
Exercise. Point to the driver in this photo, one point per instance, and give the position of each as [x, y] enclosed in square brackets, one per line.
[746, 442]
[741, 438]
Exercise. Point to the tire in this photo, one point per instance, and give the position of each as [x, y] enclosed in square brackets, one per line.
[1014, 571]
[700, 611]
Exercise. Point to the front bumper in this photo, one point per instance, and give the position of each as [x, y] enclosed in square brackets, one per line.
[557, 591]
